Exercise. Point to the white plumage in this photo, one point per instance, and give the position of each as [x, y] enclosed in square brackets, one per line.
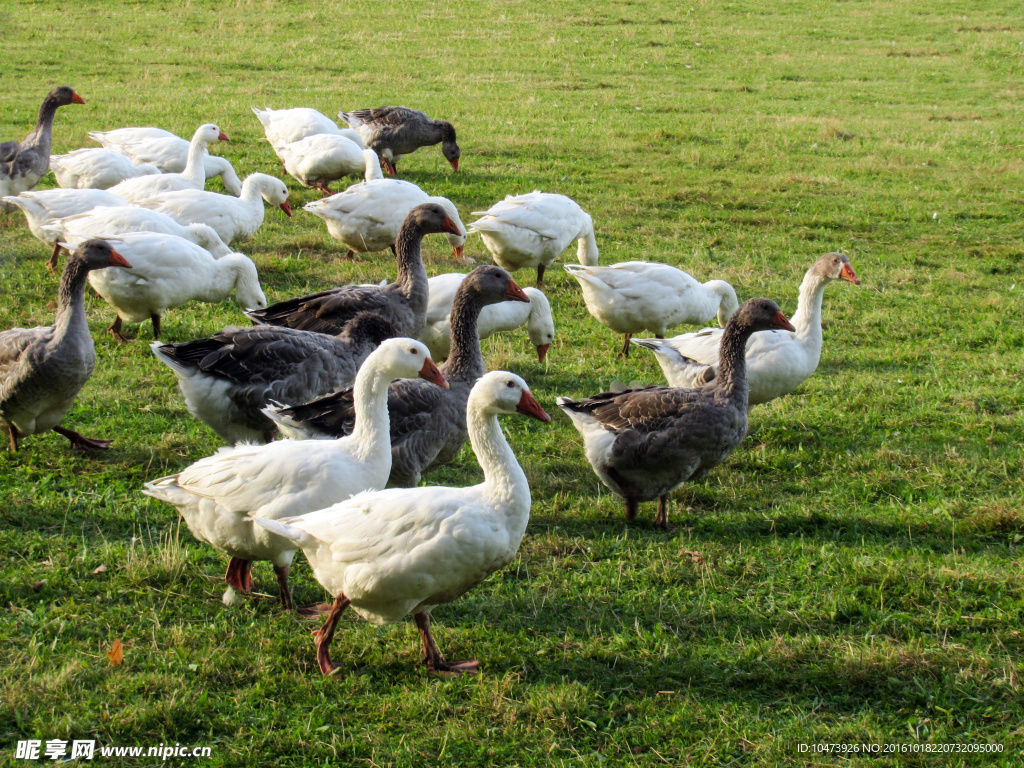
[285, 126]
[116, 220]
[318, 160]
[192, 176]
[96, 168]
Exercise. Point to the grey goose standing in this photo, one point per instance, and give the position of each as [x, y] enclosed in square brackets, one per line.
[42, 369]
[427, 428]
[645, 443]
[395, 131]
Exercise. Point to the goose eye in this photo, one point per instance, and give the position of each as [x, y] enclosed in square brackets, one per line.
[510, 384]
[414, 351]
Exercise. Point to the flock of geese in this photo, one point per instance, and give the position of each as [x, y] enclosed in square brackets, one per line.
[329, 398]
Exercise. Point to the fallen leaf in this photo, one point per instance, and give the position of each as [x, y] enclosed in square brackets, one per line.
[116, 653]
[100, 569]
[38, 585]
[695, 557]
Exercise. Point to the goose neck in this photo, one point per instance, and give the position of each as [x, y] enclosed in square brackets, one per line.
[505, 482]
[731, 379]
[807, 318]
[586, 250]
[194, 169]
[371, 437]
[42, 135]
[71, 298]
[412, 275]
[465, 360]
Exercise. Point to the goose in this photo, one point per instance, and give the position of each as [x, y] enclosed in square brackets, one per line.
[116, 220]
[220, 496]
[168, 271]
[407, 550]
[428, 426]
[42, 369]
[231, 217]
[316, 161]
[167, 151]
[532, 230]
[192, 176]
[227, 379]
[23, 165]
[777, 362]
[44, 207]
[96, 168]
[504, 316]
[396, 131]
[367, 216]
[285, 126]
[639, 295]
[645, 443]
[403, 302]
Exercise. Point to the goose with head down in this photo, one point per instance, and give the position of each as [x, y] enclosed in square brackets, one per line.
[395, 131]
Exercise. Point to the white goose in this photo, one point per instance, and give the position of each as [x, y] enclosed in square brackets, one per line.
[192, 176]
[284, 126]
[44, 207]
[504, 316]
[318, 160]
[395, 552]
[95, 168]
[777, 361]
[220, 496]
[168, 271]
[367, 216]
[639, 295]
[532, 230]
[231, 217]
[116, 220]
[166, 151]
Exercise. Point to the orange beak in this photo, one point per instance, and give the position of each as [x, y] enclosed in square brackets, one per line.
[431, 373]
[780, 321]
[223, 137]
[455, 164]
[388, 166]
[76, 99]
[286, 208]
[849, 275]
[117, 260]
[457, 252]
[542, 351]
[515, 293]
[531, 407]
[449, 226]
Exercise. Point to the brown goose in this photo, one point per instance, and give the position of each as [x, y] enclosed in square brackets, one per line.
[43, 368]
[23, 165]
[403, 303]
[395, 131]
[645, 443]
[227, 378]
[427, 428]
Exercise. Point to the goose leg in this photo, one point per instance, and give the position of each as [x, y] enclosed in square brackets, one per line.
[156, 325]
[115, 330]
[239, 574]
[325, 634]
[81, 442]
[52, 263]
[540, 275]
[661, 520]
[326, 190]
[13, 430]
[432, 656]
[282, 583]
[624, 352]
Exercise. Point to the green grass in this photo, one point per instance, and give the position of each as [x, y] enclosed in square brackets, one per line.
[852, 574]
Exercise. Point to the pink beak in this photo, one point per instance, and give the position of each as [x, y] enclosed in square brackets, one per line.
[286, 208]
[531, 407]
[431, 373]
[849, 275]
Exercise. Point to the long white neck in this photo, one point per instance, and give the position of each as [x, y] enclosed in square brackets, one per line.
[371, 438]
[504, 483]
[586, 250]
[222, 277]
[807, 318]
[195, 168]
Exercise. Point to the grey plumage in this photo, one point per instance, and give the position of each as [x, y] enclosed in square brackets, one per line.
[395, 131]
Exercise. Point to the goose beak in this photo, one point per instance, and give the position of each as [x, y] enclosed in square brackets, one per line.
[542, 351]
[515, 293]
[430, 372]
[457, 252]
[223, 137]
[450, 226]
[849, 275]
[286, 208]
[455, 164]
[117, 260]
[388, 166]
[530, 407]
[76, 99]
[780, 321]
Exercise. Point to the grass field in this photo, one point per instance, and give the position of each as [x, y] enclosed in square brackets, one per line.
[851, 575]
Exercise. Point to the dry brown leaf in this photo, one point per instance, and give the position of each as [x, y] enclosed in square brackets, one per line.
[695, 557]
[116, 653]
[38, 585]
[100, 569]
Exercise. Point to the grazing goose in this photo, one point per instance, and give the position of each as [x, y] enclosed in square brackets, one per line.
[23, 165]
[192, 176]
[46, 206]
[645, 443]
[407, 550]
[367, 216]
[228, 378]
[96, 168]
[395, 131]
[777, 362]
[116, 220]
[168, 271]
[285, 126]
[318, 160]
[532, 230]
[220, 496]
[505, 316]
[639, 295]
[42, 369]
[403, 302]
[428, 425]
[166, 151]
[231, 217]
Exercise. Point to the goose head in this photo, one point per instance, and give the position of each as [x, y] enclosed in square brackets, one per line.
[209, 134]
[540, 325]
[404, 358]
[449, 148]
[437, 217]
[99, 254]
[760, 315]
[63, 95]
[248, 292]
[272, 189]
[492, 284]
[503, 392]
[835, 266]
[456, 236]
